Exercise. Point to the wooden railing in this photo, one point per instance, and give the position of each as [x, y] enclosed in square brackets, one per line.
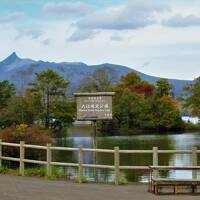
[80, 165]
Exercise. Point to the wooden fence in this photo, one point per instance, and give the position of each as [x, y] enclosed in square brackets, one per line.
[80, 165]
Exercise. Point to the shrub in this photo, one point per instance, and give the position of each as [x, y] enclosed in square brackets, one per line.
[30, 135]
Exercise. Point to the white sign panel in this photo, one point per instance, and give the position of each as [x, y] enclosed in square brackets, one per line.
[94, 106]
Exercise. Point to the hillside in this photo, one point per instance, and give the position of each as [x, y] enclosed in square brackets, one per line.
[21, 71]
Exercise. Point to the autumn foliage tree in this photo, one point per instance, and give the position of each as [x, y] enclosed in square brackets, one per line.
[136, 105]
[130, 110]
[146, 89]
[141, 105]
[130, 102]
[31, 135]
[166, 114]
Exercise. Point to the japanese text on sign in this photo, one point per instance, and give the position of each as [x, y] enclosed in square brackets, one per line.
[94, 107]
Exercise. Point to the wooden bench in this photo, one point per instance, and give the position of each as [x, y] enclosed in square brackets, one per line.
[174, 186]
[189, 185]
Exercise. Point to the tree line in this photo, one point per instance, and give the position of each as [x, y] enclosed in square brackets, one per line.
[136, 105]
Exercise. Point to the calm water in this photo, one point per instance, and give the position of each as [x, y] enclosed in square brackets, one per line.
[82, 136]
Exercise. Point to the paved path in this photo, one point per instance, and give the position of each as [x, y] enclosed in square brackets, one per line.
[25, 188]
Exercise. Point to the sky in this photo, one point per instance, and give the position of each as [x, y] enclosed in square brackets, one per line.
[160, 38]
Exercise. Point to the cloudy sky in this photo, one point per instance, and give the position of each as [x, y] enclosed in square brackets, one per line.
[160, 38]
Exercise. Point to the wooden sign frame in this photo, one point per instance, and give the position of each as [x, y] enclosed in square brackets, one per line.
[94, 106]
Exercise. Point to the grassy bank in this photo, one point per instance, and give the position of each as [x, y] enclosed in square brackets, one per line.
[35, 172]
[57, 174]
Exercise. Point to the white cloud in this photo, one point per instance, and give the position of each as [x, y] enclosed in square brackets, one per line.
[33, 33]
[83, 34]
[133, 15]
[68, 8]
[142, 45]
[182, 21]
[10, 17]
[116, 37]
[46, 42]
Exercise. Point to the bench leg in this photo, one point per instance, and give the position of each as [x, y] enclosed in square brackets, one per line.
[176, 189]
[155, 188]
[194, 188]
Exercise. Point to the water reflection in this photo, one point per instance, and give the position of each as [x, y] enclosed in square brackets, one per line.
[162, 141]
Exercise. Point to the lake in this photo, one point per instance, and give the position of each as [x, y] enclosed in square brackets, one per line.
[82, 136]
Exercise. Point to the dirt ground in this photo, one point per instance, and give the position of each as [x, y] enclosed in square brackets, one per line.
[26, 188]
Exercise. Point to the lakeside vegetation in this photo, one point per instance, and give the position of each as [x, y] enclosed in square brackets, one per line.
[34, 172]
[139, 105]
[45, 109]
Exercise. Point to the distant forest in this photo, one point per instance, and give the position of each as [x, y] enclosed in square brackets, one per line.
[137, 105]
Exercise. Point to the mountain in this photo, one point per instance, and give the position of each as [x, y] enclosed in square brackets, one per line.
[21, 71]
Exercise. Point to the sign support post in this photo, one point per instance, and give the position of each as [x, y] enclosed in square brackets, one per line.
[93, 107]
[94, 138]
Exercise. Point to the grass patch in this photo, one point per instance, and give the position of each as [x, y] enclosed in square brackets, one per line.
[56, 174]
[84, 179]
[34, 172]
[9, 171]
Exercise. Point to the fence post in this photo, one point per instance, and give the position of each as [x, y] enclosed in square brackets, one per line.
[80, 164]
[194, 161]
[49, 157]
[22, 155]
[155, 160]
[0, 153]
[117, 164]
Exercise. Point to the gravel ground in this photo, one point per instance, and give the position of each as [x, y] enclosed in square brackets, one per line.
[26, 188]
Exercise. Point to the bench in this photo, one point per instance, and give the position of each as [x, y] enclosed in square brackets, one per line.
[173, 186]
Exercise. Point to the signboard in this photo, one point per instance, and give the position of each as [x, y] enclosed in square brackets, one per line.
[94, 106]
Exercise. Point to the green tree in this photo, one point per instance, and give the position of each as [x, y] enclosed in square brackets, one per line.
[131, 110]
[7, 90]
[192, 98]
[21, 109]
[162, 87]
[17, 112]
[51, 89]
[166, 114]
[101, 80]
